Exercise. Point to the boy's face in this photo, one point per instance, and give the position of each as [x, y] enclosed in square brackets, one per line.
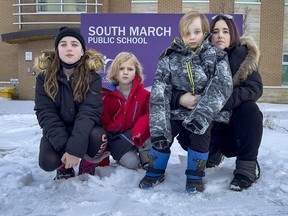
[194, 34]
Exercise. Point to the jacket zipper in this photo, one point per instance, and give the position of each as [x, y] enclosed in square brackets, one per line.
[190, 76]
[135, 110]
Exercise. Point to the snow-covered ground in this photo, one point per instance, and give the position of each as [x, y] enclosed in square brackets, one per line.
[25, 189]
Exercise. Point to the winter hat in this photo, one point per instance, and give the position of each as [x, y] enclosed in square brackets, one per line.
[73, 32]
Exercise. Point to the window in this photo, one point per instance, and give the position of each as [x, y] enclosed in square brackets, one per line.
[49, 7]
[285, 69]
[61, 6]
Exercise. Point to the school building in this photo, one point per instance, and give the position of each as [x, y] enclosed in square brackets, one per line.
[29, 26]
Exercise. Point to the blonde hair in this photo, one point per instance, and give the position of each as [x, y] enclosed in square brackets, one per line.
[188, 18]
[115, 67]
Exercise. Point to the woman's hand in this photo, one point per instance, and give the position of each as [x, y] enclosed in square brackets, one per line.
[69, 160]
[189, 100]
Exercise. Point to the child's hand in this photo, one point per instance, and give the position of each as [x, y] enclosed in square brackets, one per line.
[69, 160]
[189, 100]
[136, 140]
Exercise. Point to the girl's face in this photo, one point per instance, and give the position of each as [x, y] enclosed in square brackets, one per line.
[70, 50]
[221, 35]
[127, 72]
[194, 35]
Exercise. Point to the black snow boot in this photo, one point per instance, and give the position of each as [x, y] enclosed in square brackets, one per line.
[63, 173]
[196, 163]
[149, 181]
[215, 159]
[194, 185]
[155, 173]
[245, 174]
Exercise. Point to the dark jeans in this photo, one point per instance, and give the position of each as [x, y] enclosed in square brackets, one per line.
[50, 160]
[242, 136]
[186, 138]
[119, 144]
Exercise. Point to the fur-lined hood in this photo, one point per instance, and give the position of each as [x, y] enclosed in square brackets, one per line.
[94, 60]
[250, 63]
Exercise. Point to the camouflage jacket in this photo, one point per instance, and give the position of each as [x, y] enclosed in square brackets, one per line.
[211, 77]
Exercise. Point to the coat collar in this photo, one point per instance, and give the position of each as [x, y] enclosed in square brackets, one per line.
[111, 88]
[250, 63]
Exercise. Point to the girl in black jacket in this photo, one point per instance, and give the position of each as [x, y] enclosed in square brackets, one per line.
[68, 106]
[240, 138]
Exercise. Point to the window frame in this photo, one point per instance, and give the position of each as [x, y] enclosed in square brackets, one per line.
[284, 54]
[61, 4]
[284, 63]
[247, 1]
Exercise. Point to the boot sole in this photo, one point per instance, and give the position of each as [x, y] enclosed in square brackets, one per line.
[146, 185]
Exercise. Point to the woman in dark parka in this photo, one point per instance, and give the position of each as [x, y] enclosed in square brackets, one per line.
[240, 138]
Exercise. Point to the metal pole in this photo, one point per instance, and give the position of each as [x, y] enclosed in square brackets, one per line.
[19, 16]
[96, 6]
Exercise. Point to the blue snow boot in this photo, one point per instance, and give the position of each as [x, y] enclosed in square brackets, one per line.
[196, 165]
[156, 168]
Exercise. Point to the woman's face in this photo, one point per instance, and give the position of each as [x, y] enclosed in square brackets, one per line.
[70, 50]
[221, 35]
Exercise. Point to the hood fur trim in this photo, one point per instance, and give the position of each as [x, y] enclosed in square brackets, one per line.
[250, 63]
[94, 60]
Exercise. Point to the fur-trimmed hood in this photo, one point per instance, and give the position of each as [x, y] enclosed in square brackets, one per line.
[94, 60]
[250, 62]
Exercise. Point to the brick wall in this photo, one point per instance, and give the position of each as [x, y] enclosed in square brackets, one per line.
[25, 68]
[222, 6]
[105, 7]
[169, 6]
[8, 52]
[116, 6]
[271, 41]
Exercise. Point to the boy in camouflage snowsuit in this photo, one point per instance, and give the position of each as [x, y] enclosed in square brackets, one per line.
[190, 63]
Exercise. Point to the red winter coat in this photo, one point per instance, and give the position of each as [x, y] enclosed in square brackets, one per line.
[120, 115]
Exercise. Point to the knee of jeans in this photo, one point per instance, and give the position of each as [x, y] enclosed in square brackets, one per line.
[48, 167]
[130, 160]
[144, 157]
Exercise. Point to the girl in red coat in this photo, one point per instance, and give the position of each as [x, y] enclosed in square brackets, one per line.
[126, 112]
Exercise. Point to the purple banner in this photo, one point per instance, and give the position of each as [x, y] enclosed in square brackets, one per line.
[145, 35]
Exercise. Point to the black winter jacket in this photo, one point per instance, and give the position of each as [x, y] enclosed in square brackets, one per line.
[247, 81]
[66, 123]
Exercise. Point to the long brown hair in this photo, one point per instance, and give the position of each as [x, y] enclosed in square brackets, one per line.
[49, 62]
